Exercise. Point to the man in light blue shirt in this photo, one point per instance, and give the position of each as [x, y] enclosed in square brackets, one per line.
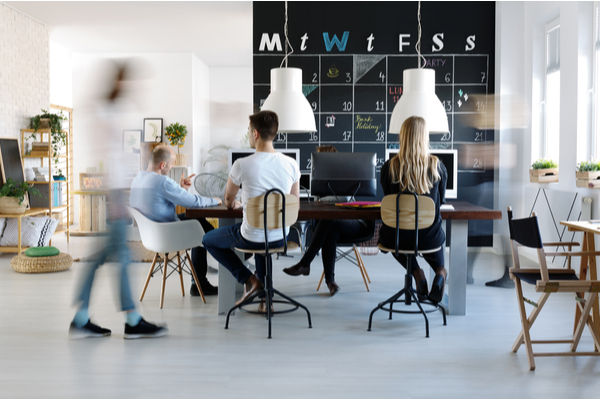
[156, 195]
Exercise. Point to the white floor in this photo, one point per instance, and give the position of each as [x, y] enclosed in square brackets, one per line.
[337, 358]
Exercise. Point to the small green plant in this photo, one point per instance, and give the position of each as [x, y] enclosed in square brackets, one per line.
[58, 136]
[589, 166]
[544, 164]
[176, 134]
[17, 190]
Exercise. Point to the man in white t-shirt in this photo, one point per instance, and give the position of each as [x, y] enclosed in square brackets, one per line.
[256, 174]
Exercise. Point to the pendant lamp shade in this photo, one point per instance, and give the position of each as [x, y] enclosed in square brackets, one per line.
[288, 102]
[419, 99]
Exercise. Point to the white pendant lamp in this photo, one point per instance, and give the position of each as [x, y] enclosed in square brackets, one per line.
[419, 99]
[286, 98]
[418, 96]
[288, 102]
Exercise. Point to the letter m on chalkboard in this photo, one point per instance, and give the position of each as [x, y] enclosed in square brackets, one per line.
[270, 44]
[340, 45]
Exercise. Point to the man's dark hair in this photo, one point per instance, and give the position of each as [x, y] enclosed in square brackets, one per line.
[266, 123]
[160, 154]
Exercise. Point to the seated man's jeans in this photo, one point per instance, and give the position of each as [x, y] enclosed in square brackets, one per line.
[220, 243]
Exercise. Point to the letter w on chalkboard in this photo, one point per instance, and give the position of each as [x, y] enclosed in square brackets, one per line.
[330, 42]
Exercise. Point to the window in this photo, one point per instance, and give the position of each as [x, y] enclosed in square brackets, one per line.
[551, 132]
[596, 72]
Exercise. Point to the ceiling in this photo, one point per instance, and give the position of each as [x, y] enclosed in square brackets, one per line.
[217, 32]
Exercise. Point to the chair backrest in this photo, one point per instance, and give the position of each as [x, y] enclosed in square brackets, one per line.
[168, 237]
[255, 210]
[404, 215]
[526, 232]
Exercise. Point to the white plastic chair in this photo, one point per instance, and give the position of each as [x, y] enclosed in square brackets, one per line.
[169, 238]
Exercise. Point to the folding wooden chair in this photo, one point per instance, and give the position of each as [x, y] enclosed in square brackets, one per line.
[525, 232]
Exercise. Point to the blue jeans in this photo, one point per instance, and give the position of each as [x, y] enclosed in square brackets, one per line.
[220, 243]
[116, 244]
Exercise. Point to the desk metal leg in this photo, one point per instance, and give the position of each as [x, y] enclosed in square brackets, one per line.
[457, 268]
[227, 283]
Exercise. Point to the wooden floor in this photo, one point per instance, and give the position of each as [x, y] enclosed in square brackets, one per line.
[337, 358]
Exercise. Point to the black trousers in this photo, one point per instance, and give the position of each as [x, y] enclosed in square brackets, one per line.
[325, 237]
[199, 253]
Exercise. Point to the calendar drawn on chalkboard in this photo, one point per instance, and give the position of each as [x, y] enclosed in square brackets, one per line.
[352, 76]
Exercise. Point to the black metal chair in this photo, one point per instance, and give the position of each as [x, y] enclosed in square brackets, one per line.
[274, 210]
[408, 212]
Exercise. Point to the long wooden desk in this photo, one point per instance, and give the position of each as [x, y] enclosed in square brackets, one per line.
[457, 264]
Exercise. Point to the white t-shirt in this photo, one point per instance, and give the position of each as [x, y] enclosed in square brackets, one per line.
[257, 174]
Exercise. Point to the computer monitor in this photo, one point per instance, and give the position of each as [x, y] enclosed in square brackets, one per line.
[305, 185]
[343, 174]
[450, 160]
[233, 154]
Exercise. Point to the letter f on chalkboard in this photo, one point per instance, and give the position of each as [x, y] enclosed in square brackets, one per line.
[330, 42]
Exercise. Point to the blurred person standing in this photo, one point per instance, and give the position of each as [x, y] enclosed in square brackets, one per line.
[109, 112]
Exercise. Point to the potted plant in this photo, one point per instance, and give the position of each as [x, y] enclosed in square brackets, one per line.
[588, 174]
[13, 197]
[58, 137]
[544, 171]
[176, 134]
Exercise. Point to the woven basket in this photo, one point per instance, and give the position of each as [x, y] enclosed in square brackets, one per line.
[43, 264]
[370, 247]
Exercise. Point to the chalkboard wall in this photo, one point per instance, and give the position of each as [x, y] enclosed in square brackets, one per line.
[353, 54]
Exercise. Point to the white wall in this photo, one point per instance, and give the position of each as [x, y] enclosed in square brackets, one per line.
[61, 75]
[231, 94]
[24, 70]
[521, 65]
[201, 113]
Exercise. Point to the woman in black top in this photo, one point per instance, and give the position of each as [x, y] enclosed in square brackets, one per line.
[413, 170]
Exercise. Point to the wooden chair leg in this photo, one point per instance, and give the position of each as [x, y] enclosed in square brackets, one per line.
[585, 314]
[149, 276]
[195, 276]
[321, 280]
[525, 323]
[360, 265]
[532, 316]
[180, 274]
[164, 279]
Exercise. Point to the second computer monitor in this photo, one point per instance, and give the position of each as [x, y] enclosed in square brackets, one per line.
[343, 174]
[450, 160]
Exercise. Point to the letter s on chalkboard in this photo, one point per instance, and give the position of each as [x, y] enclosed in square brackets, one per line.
[437, 40]
[470, 43]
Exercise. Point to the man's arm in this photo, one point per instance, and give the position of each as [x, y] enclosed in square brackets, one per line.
[231, 191]
[296, 189]
[177, 195]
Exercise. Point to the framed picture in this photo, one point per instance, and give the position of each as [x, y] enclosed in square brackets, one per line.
[153, 128]
[132, 141]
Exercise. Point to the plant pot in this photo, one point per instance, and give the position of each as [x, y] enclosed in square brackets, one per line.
[587, 179]
[181, 159]
[543, 175]
[10, 205]
[59, 178]
[44, 123]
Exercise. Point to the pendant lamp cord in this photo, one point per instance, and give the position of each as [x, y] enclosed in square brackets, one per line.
[418, 45]
[287, 40]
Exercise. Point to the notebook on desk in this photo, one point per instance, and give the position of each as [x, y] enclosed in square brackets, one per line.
[359, 204]
[446, 207]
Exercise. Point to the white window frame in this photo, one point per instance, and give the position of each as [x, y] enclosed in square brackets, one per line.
[545, 142]
[595, 140]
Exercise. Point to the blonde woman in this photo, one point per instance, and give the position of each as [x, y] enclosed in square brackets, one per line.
[413, 170]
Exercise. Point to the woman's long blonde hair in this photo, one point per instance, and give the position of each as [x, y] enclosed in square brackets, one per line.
[413, 168]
